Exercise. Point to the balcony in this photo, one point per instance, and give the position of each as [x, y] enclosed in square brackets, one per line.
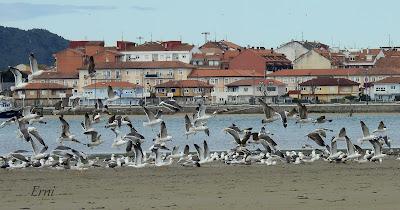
[158, 75]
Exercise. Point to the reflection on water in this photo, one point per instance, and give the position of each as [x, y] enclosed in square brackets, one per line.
[293, 137]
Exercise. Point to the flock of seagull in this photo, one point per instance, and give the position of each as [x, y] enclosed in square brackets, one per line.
[160, 154]
[68, 156]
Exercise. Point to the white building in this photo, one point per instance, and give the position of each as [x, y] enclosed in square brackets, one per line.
[129, 93]
[156, 51]
[243, 91]
[387, 89]
[294, 49]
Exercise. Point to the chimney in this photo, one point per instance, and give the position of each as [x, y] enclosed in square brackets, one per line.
[272, 50]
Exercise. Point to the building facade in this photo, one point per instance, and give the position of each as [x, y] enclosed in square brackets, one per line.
[129, 93]
[386, 90]
[328, 89]
[246, 91]
[185, 91]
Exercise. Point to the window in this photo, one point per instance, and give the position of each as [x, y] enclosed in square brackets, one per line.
[303, 88]
[186, 90]
[173, 90]
[226, 80]
[392, 87]
[43, 92]
[32, 93]
[180, 71]
[378, 89]
[127, 72]
[245, 89]
[271, 88]
[118, 74]
[138, 82]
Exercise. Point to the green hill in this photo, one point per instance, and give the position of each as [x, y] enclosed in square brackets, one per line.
[17, 44]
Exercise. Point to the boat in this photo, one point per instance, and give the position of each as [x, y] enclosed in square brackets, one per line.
[7, 109]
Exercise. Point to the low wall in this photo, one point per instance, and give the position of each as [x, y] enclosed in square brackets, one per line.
[255, 109]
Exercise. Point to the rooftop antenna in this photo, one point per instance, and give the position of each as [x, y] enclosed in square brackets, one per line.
[122, 36]
[140, 39]
[180, 38]
[389, 40]
[226, 37]
[151, 37]
[205, 36]
[215, 36]
[302, 37]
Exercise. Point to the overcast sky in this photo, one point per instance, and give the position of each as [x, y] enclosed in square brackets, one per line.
[344, 23]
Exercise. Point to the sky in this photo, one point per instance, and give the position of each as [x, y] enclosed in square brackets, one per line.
[338, 23]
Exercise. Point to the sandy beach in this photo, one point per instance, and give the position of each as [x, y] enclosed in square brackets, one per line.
[216, 186]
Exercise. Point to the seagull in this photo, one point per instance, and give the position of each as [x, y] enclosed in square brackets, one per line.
[118, 141]
[283, 115]
[242, 142]
[203, 153]
[100, 107]
[10, 121]
[163, 135]
[37, 155]
[158, 161]
[111, 95]
[19, 83]
[321, 119]
[95, 138]
[171, 105]
[381, 128]
[139, 163]
[270, 114]
[152, 119]
[58, 107]
[201, 115]
[378, 155]
[303, 114]
[334, 154]
[189, 126]
[35, 133]
[34, 67]
[352, 153]
[316, 137]
[75, 104]
[221, 111]
[366, 135]
[65, 133]
[87, 123]
[341, 136]
[24, 131]
[112, 122]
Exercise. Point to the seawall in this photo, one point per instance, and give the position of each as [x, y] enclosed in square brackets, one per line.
[252, 109]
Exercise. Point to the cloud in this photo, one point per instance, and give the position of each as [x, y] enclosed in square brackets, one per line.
[22, 11]
[141, 8]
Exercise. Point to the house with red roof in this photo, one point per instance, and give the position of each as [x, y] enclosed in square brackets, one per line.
[325, 89]
[185, 91]
[221, 77]
[41, 94]
[144, 73]
[159, 51]
[293, 77]
[129, 93]
[260, 60]
[387, 89]
[247, 90]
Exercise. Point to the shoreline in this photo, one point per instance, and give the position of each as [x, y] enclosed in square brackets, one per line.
[249, 109]
[212, 186]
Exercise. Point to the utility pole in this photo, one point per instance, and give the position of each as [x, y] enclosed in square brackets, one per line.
[205, 36]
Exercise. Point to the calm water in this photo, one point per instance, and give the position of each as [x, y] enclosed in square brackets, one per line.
[293, 137]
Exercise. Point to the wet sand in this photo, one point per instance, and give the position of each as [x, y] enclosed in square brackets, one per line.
[318, 185]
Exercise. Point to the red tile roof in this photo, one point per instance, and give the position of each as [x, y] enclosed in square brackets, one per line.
[142, 65]
[294, 92]
[325, 81]
[389, 80]
[57, 75]
[184, 84]
[251, 82]
[43, 86]
[334, 72]
[161, 46]
[224, 73]
[112, 84]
